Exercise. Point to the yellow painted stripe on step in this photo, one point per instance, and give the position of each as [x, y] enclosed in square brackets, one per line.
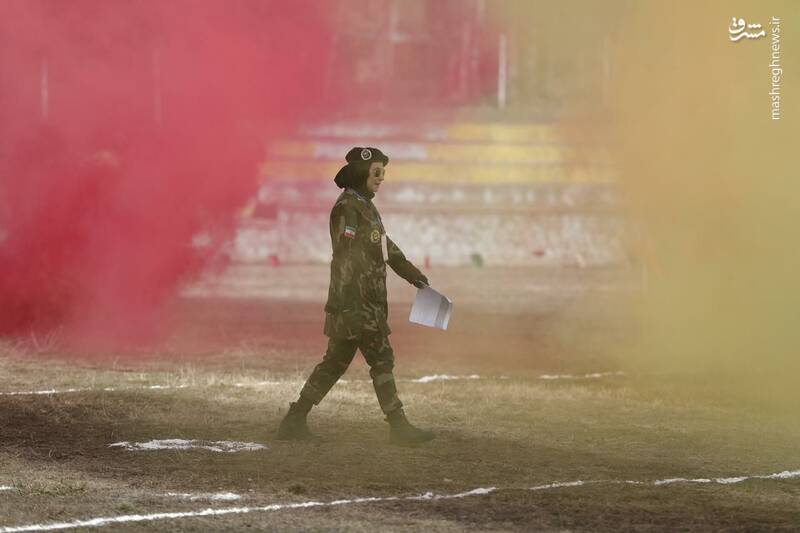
[426, 172]
[298, 149]
[496, 153]
[466, 131]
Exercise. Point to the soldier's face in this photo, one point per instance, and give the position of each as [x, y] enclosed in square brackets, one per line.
[375, 176]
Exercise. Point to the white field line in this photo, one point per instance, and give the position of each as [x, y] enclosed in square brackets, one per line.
[559, 484]
[47, 391]
[259, 383]
[594, 375]
[214, 496]
[442, 377]
[786, 474]
[481, 491]
[83, 389]
[220, 446]
[424, 379]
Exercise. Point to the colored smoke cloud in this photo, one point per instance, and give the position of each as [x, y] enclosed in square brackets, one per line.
[127, 129]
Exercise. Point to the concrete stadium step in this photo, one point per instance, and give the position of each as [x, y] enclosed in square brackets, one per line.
[418, 172]
[550, 197]
[492, 132]
[491, 192]
[458, 153]
[433, 151]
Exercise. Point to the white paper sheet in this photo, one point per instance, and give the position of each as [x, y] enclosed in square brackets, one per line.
[431, 308]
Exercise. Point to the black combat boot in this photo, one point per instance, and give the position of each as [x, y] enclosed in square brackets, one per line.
[402, 433]
[294, 426]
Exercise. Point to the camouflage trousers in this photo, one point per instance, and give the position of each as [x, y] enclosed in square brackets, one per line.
[379, 356]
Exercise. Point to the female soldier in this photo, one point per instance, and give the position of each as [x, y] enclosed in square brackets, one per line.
[356, 312]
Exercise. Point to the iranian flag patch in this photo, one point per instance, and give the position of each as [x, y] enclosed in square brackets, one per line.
[350, 232]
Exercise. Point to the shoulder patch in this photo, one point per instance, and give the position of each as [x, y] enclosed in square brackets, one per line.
[375, 236]
[350, 232]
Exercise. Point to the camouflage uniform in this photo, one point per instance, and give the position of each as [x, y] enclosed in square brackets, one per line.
[356, 312]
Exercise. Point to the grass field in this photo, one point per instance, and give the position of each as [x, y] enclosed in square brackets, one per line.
[517, 448]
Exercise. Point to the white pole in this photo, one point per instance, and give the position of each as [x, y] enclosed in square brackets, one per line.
[606, 67]
[502, 70]
[157, 86]
[44, 91]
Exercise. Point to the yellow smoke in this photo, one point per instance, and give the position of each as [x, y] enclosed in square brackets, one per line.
[710, 180]
[707, 171]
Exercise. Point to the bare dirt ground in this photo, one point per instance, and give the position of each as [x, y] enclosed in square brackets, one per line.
[581, 453]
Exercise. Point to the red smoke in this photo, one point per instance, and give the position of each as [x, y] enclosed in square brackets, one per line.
[127, 128]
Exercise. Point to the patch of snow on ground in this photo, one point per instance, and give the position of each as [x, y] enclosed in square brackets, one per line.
[221, 446]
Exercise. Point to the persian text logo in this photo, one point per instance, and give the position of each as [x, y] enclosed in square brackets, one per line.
[736, 32]
[737, 27]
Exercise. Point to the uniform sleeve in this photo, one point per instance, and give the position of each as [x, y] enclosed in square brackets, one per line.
[343, 229]
[402, 266]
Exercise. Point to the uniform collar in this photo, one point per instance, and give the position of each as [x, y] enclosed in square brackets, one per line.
[364, 195]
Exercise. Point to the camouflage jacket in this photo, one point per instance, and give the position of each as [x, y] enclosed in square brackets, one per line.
[357, 292]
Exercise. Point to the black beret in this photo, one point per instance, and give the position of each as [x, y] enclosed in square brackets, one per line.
[354, 173]
[366, 154]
